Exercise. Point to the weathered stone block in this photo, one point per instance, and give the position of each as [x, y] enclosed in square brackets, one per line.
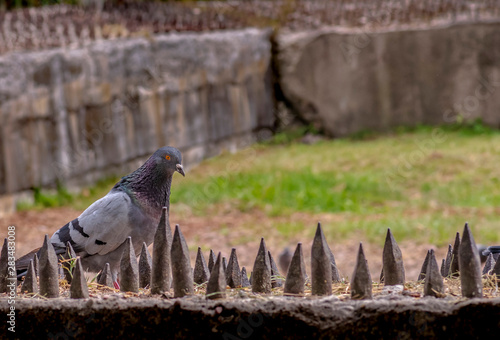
[345, 81]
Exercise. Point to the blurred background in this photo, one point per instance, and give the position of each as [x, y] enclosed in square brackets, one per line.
[364, 115]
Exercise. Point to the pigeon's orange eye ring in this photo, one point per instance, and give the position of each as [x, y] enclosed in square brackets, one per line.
[167, 157]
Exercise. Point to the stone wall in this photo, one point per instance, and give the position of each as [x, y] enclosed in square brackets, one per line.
[74, 115]
[347, 80]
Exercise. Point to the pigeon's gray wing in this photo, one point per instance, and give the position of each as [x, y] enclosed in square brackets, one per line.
[101, 228]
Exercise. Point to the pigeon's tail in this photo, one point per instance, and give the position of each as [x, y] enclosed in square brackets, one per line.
[23, 262]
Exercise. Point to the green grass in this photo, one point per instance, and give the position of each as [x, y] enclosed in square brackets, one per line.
[423, 183]
[62, 197]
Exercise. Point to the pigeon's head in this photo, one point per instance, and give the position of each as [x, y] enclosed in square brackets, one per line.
[169, 159]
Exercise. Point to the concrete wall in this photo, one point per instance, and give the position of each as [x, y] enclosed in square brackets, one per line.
[347, 80]
[75, 115]
[276, 317]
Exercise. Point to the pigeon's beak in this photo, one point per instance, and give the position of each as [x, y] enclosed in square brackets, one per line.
[180, 169]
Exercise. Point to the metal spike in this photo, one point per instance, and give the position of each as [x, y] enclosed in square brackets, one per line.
[433, 285]
[160, 271]
[489, 264]
[233, 273]
[284, 259]
[447, 262]
[129, 270]
[261, 274]
[470, 266]
[443, 266]
[392, 259]
[182, 274]
[201, 273]
[321, 269]
[36, 264]
[455, 266]
[421, 276]
[67, 258]
[361, 281]
[216, 287]
[224, 264]
[496, 269]
[276, 280]
[4, 264]
[296, 275]
[335, 271]
[29, 284]
[211, 260]
[79, 289]
[244, 278]
[105, 277]
[70, 251]
[145, 264]
[49, 271]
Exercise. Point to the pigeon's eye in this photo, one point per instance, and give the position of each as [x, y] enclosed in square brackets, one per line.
[167, 157]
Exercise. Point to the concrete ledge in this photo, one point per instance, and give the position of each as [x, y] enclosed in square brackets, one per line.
[388, 317]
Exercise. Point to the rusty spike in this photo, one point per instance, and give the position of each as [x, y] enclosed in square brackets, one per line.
[201, 273]
[145, 264]
[423, 270]
[394, 272]
[296, 275]
[233, 273]
[361, 282]
[261, 274]
[29, 284]
[79, 289]
[276, 280]
[470, 266]
[321, 269]
[160, 268]
[182, 274]
[216, 287]
[105, 277]
[49, 273]
[129, 270]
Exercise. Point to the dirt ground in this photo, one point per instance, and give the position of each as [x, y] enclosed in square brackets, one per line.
[221, 232]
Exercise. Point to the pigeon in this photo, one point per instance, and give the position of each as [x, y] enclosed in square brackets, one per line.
[132, 208]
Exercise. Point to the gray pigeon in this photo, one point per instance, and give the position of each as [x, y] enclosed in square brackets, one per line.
[132, 208]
